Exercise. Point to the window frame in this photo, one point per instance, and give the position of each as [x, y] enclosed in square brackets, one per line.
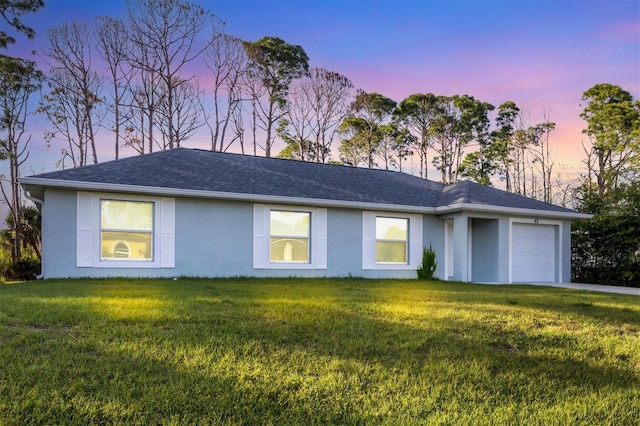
[262, 237]
[290, 236]
[369, 238]
[391, 240]
[89, 228]
[152, 231]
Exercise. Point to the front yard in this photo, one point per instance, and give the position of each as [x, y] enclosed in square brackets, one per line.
[326, 351]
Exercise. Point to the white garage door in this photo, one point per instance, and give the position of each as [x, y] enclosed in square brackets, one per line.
[534, 253]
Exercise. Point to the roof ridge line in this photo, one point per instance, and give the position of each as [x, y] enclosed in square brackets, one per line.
[441, 194]
[468, 191]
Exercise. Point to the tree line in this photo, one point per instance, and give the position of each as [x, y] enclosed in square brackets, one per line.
[135, 78]
[139, 79]
[19, 78]
[606, 248]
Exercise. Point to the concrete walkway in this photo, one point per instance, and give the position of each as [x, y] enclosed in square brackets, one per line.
[595, 287]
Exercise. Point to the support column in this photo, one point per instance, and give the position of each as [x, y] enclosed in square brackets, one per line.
[461, 248]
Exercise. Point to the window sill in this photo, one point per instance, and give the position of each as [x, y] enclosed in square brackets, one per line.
[391, 267]
[286, 265]
[129, 264]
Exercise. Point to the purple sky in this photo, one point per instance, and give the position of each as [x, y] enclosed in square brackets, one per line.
[541, 54]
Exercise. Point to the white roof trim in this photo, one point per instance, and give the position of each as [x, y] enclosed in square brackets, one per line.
[316, 202]
[197, 193]
[510, 211]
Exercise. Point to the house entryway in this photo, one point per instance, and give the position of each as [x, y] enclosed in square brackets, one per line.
[484, 247]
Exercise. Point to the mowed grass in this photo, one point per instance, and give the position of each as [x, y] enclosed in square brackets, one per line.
[315, 351]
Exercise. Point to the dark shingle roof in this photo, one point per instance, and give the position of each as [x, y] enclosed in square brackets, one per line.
[473, 193]
[199, 170]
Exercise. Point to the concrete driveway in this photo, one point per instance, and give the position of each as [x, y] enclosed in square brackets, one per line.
[595, 287]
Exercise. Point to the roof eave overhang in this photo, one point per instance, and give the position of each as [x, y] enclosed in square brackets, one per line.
[510, 211]
[276, 199]
[196, 193]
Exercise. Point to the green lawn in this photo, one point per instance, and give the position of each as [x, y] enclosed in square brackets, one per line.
[300, 351]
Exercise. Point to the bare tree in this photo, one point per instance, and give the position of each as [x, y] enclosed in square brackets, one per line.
[254, 90]
[72, 105]
[170, 33]
[542, 161]
[111, 36]
[145, 100]
[187, 113]
[528, 158]
[317, 104]
[237, 129]
[296, 127]
[227, 60]
[521, 140]
[331, 95]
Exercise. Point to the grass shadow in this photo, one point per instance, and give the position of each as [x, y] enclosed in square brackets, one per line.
[310, 351]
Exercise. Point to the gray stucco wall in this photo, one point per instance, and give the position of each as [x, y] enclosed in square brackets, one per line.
[485, 243]
[214, 238]
[460, 247]
[344, 242]
[503, 249]
[59, 233]
[434, 234]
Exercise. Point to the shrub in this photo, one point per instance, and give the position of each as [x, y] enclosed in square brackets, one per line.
[23, 269]
[429, 264]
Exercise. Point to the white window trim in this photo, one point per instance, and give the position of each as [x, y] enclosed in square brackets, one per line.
[557, 223]
[262, 237]
[415, 246]
[88, 232]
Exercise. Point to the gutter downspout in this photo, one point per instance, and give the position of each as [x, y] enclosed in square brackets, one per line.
[41, 203]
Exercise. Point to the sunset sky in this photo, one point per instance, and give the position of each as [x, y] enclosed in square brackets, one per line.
[541, 54]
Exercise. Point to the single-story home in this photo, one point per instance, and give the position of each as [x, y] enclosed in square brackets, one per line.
[189, 212]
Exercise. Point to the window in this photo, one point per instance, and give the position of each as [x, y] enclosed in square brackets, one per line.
[116, 231]
[289, 237]
[126, 230]
[391, 239]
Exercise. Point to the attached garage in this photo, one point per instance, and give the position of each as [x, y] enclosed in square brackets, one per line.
[534, 252]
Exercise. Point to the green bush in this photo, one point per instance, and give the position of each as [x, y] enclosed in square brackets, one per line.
[22, 270]
[429, 264]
